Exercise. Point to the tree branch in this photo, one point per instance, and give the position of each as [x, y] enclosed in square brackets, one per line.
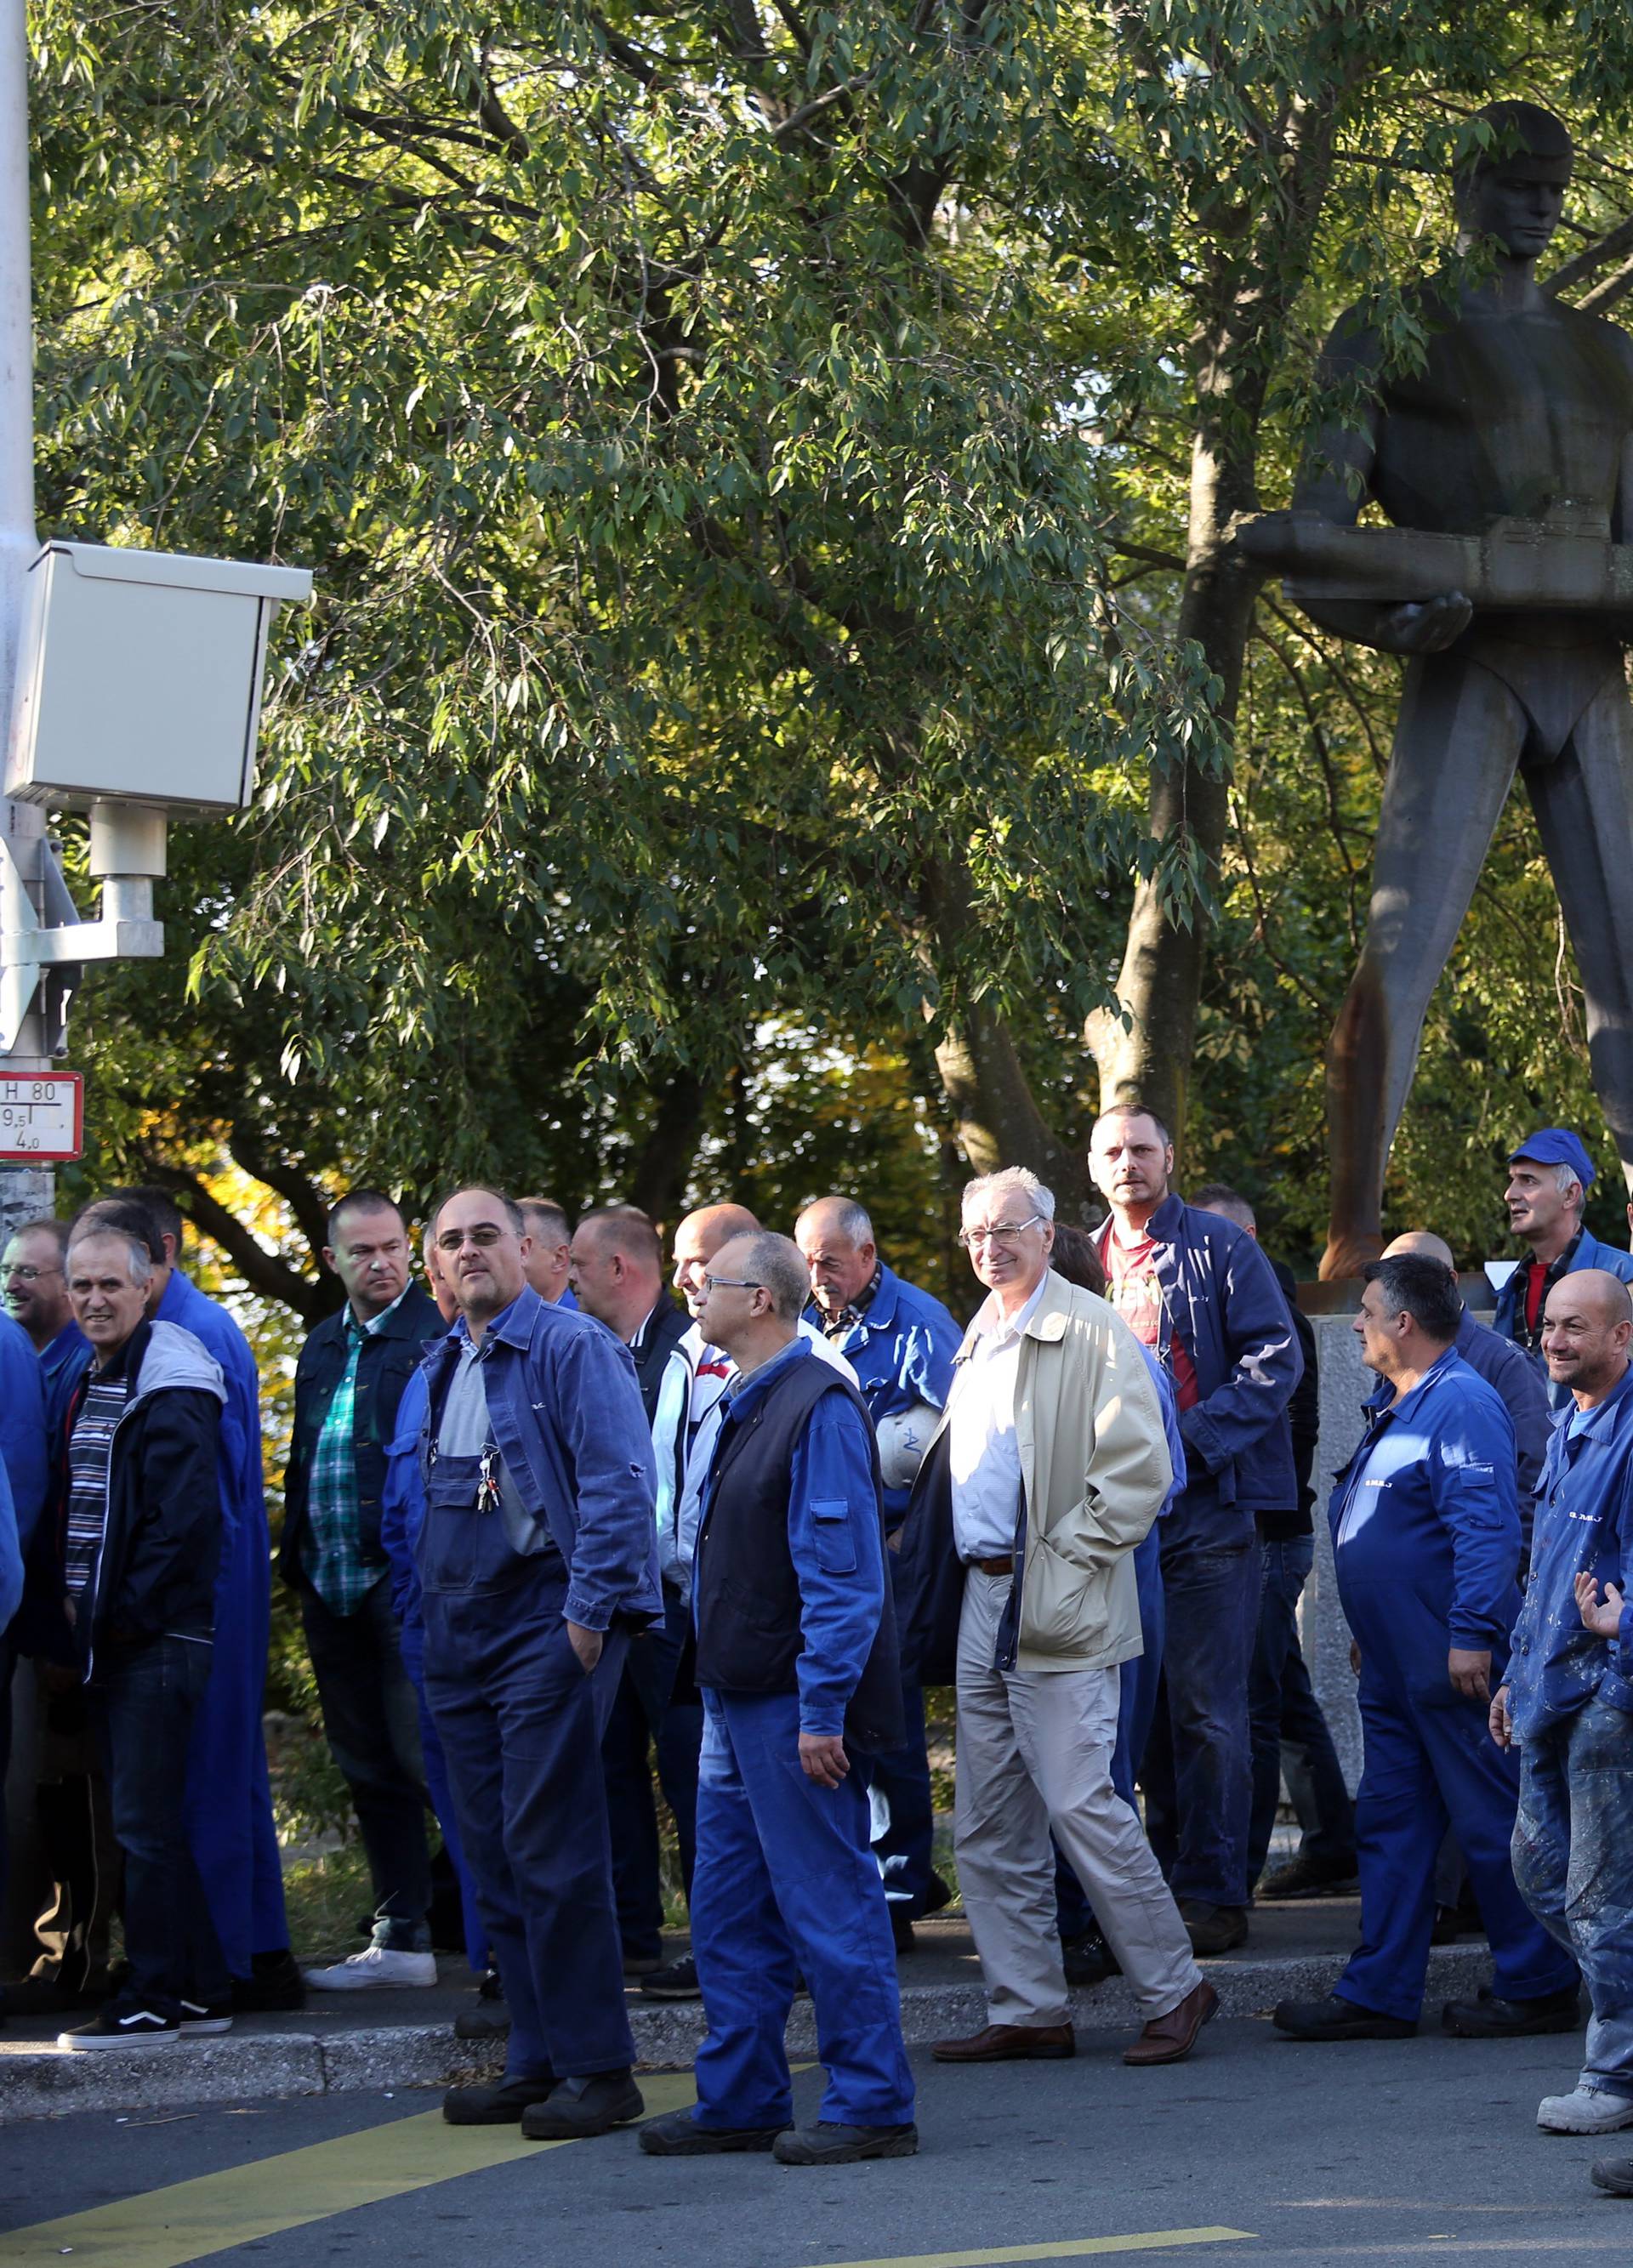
[262, 1270]
[1599, 253]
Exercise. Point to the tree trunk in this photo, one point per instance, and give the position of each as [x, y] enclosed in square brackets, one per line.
[657, 1182]
[998, 1121]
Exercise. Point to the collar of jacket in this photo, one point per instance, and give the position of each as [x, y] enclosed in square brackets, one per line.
[1047, 1320]
[739, 1405]
[1606, 1418]
[512, 1326]
[405, 1318]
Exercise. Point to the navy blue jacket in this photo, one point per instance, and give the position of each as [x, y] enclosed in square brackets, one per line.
[1220, 1292]
[1583, 1525]
[1426, 1527]
[902, 1352]
[566, 1415]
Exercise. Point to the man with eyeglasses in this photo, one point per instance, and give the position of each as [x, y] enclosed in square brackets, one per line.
[797, 1664]
[537, 1559]
[34, 1288]
[1047, 1469]
[1201, 1295]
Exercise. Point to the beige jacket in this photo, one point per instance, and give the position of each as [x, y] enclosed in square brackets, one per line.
[1096, 1468]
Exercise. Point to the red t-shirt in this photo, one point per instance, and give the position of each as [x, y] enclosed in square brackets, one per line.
[1134, 1291]
[1536, 1276]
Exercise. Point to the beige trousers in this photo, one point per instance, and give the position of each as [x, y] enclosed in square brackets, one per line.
[1035, 1753]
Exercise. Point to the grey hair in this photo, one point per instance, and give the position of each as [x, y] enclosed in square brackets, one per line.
[1009, 1177]
[851, 1219]
[1564, 1178]
[777, 1263]
[138, 1260]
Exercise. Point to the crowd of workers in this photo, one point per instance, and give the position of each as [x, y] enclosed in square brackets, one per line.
[551, 1530]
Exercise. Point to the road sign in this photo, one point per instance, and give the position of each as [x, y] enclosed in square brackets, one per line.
[42, 1118]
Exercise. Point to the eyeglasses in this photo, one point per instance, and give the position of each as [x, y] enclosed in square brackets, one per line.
[731, 1284]
[1005, 1236]
[27, 1275]
[451, 1239]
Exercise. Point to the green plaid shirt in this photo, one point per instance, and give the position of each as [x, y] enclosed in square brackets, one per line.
[341, 1571]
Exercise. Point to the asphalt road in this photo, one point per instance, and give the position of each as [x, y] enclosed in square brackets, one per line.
[1258, 2150]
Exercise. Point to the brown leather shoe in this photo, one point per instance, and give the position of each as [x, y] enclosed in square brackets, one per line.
[1013, 2044]
[1166, 2038]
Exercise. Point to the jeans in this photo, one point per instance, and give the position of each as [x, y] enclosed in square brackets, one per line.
[1290, 1733]
[371, 1719]
[1197, 1769]
[644, 1716]
[144, 1698]
[1573, 1861]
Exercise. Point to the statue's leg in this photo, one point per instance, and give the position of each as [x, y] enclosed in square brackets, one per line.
[1583, 804]
[1459, 737]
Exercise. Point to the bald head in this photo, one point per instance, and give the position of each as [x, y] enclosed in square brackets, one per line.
[1586, 1327]
[1425, 1245]
[696, 1240]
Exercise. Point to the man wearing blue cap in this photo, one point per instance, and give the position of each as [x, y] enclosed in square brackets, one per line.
[1550, 1176]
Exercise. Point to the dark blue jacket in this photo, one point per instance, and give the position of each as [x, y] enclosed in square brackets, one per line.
[566, 1416]
[902, 1352]
[402, 1501]
[22, 1427]
[1508, 1320]
[1426, 1529]
[1220, 1292]
[1583, 1525]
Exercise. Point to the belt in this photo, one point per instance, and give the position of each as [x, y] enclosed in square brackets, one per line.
[1005, 1566]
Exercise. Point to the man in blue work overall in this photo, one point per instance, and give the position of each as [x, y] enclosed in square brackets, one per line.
[900, 1343]
[536, 1557]
[796, 1656]
[1426, 1547]
[1548, 1179]
[1567, 1701]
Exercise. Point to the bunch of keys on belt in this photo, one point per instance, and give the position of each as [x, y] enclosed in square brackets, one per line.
[487, 1481]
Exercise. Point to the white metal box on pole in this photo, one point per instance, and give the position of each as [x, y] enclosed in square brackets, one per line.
[139, 677]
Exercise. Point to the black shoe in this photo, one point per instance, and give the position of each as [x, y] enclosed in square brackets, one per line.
[1448, 1925]
[678, 2135]
[1489, 2018]
[1338, 2019]
[1087, 1960]
[901, 1927]
[200, 2016]
[677, 1981]
[275, 1984]
[936, 1894]
[487, 2021]
[823, 2145]
[121, 2025]
[494, 2106]
[491, 1987]
[578, 2107]
[1213, 1929]
[1310, 1878]
[1615, 2175]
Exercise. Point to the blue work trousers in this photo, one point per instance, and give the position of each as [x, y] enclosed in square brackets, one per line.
[1290, 1735]
[646, 1721]
[1428, 1760]
[1197, 1770]
[787, 1887]
[1573, 1861]
[1139, 1682]
[520, 1727]
[412, 1637]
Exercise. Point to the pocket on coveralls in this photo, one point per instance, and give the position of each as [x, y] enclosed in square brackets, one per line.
[836, 1546]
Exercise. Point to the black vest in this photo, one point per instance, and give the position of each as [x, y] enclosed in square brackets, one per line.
[746, 1591]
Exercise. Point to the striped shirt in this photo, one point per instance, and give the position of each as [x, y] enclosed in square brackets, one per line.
[89, 1448]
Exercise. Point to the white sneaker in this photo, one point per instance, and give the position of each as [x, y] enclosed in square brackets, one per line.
[1589, 2111]
[379, 1965]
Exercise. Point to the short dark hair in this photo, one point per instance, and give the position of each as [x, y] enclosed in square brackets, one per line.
[629, 1231]
[1219, 1196]
[1134, 1110]
[507, 1205]
[361, 1201]
[129, 1218]
[162, 1206]
[1072, 1255]
[552, 1217]
[1423, 1288]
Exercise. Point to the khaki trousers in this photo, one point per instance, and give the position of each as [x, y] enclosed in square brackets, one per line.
[1035, 1753]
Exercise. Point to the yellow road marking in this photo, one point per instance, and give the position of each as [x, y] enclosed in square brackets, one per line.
[188, 2221]
[1150, 2240]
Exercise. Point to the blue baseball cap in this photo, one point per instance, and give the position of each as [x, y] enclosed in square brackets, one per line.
[1555, 1145]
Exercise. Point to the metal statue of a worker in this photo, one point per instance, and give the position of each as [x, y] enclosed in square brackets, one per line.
[1505, 464]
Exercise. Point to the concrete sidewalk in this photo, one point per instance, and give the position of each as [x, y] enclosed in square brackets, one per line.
[381, 2041]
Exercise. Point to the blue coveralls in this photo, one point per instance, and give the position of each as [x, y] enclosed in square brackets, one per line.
[402, 1516]
[785, 1884]
[902, 1352]
[1509, 1322]
[1570, 1700]
[520, 1725]
[1426, 1544]
[23, 1428]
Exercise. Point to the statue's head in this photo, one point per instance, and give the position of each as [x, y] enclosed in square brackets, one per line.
[1513, 192]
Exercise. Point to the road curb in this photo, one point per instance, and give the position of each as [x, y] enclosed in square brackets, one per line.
[45, 2083]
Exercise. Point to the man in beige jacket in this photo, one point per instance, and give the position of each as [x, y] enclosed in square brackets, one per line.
[1048, 1467]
